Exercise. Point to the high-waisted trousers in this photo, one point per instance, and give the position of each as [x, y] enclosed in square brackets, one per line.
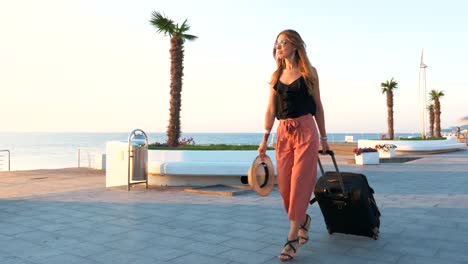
[297, 147]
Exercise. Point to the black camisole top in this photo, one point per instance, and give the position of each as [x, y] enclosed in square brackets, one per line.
[293, 100]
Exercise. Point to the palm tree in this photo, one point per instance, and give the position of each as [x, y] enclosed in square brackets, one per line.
[435, 98]
[388, 87]
[430, 109]
[178, 36]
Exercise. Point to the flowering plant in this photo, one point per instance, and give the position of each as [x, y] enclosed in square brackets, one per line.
[385, 147]
[186, 141]
[359, 151]
[182, 142]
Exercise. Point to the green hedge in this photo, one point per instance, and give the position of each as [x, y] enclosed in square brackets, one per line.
[207, 147]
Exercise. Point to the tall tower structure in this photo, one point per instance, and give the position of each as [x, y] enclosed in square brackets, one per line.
[422, 100]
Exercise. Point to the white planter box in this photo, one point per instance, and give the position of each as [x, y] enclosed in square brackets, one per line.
[367, 158]
[387, 154]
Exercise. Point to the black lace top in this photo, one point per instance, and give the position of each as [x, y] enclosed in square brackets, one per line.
[293, 100]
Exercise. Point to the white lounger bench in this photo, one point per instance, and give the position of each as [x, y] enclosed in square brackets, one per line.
[200, 168]
[182, 167]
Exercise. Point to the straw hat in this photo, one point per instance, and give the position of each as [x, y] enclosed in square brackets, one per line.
[261, 176]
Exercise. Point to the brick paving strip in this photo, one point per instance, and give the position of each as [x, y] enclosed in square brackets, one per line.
[68, 216]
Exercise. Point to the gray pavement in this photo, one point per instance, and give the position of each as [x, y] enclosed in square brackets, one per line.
[68, 216]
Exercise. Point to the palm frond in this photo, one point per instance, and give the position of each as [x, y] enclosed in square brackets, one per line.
[435, 94]
[389, 85]
[162, 23]
[189, 37]
[184, 27]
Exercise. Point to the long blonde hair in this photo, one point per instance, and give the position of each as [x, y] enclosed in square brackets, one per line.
[303, 63]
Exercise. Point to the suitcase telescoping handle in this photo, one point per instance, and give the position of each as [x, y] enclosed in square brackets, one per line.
[340, 179]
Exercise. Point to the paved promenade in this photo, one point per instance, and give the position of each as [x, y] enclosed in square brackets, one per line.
[68, 216]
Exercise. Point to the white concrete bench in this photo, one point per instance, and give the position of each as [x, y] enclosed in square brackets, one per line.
[201, 162]
[199, 167]
[182, 167]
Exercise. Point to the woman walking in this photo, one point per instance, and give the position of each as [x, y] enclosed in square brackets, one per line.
[295, 101]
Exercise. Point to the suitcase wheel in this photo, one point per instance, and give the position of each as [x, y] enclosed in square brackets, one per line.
[329, 231]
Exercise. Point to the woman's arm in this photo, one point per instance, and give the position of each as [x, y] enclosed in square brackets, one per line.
[269, 121]
[319, 114]
[270, 114]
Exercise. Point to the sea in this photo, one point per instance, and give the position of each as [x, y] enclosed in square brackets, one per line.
[30, 151]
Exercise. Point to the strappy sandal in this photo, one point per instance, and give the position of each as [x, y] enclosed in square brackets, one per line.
[289, 243]
[302, 239]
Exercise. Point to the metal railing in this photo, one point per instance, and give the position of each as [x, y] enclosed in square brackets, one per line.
[90, 155]
[1, 158]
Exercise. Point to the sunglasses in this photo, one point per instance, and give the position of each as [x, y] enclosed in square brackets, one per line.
[280, 44]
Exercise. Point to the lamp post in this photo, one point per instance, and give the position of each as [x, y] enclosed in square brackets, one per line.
[422, 96]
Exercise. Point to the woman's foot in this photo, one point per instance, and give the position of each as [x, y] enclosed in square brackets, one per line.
[303, 233]
[289, 251]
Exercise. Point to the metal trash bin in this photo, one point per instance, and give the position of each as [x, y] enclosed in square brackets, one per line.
[137, 158]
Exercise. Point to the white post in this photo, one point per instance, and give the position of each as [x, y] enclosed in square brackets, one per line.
[422, 96]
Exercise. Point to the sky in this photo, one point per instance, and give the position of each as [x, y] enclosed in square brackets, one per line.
[100, 66]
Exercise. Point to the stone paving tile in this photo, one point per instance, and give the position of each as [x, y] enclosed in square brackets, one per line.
[9, 259]
[245, 234]
[454, 254]
[64, 258]
[197, 258]
[243, 256]
[246, 226]
[245, 244]
[128, 245]
[96, 237]
[47, 238]
[5, 237]
[162, 253]
[27, 250]
[177, 223]
[118, 257]
[51, 227]
[207, 249]
[83, 224]
[327, 258]
[410, 259]
[169, 241]
[209, 238]
[375, 254]
[174, 231]
[82, 249]
[109, 229]
[13, 229]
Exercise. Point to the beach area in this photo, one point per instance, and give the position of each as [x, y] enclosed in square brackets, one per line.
[63, 215]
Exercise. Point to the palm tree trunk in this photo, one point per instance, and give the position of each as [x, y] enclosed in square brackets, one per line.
[437, 118]
[390, 114]
[431, 123]
[177, 59]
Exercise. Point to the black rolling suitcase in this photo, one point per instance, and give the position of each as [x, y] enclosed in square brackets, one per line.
[347, 202]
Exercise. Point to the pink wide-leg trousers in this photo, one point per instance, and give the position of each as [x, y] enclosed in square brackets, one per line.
[297, 147]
